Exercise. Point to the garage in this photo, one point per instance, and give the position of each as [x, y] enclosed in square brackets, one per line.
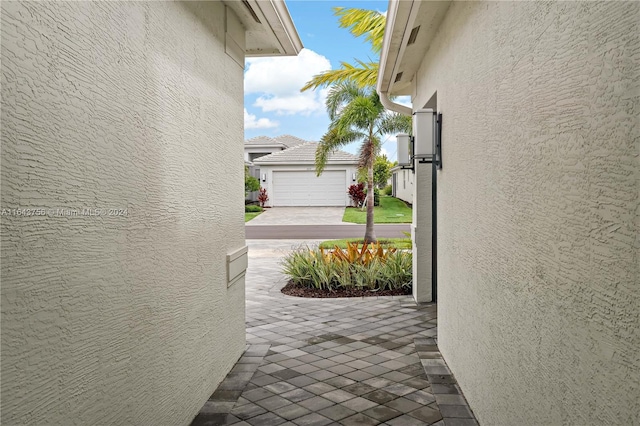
[290, 179]
[304, 188]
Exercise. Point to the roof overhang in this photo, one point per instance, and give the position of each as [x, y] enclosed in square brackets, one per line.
[411, 27]
[270, 31]
[280, 146]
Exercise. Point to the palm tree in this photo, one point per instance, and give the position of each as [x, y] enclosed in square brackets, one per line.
[361, 22]
[357, 115]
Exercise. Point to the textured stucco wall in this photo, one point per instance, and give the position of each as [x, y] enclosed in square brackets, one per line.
[124, 105]
[538, 215]
[422, 233]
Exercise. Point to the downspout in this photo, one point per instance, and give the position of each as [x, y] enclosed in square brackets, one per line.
[390, 105]
[392, 13]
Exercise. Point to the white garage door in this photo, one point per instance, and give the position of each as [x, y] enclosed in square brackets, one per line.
[304, 188]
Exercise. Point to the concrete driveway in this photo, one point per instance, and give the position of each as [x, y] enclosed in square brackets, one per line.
[299, 216]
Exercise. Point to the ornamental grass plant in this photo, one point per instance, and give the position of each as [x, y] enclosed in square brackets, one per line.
[371, 267]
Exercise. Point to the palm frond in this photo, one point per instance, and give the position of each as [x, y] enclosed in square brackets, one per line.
[341, 94]
[334, 139]
[365, 74]
[360, 113]
[369, 23]
[394, 122]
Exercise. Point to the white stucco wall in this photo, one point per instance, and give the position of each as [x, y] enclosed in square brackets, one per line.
[539, 302]
[252, 150]
[120, 320]
[404, 187]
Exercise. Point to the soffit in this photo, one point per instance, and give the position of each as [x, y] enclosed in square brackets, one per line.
[270, 31]
[400, 60]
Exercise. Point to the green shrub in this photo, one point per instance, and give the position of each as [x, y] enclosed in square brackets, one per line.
[371, 267]
[376, 196]
[250, 183]
[252, 209]
[388, 190]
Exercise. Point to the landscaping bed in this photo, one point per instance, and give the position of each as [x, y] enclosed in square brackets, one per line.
[292, 289]
[251, 211]
[370, 270]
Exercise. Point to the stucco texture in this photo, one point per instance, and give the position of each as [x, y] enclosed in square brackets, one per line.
[422, 233]
[538, 211]
[121, 320]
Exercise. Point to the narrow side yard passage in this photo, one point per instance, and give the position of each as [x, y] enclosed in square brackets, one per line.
[365, 361]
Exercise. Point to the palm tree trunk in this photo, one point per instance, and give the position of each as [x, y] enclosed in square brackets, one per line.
[369, 233]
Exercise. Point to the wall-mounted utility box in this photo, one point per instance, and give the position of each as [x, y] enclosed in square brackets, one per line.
[404, 149]
[423, 126]
[237, 263]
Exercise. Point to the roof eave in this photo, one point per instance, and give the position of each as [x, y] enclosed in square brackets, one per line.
[402, 17]
[397, 16]
[269, 29]
[264, 146]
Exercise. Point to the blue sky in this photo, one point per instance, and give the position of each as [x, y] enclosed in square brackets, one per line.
[273, 102]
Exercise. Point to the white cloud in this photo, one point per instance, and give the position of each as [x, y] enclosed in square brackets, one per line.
[287, 104]
[278, 81]
[404, 100]
[253, 122]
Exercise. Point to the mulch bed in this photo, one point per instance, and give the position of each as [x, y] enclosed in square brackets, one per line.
[292, 289]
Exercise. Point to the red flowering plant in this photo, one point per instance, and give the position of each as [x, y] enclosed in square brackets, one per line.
[357, 194]
[262, 196]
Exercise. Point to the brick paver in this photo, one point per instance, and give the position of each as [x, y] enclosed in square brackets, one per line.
[356, 361]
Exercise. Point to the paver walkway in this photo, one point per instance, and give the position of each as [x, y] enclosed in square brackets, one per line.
[364, 361]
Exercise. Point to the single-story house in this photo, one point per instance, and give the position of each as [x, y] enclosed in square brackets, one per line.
[530, 228]
[260, 146]
[290, 178]
[122, 231]
[402, 183]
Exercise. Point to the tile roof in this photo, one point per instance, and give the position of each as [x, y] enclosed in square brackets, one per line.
[306, 154]
[289, 140]
[283, 141]
[264, 140]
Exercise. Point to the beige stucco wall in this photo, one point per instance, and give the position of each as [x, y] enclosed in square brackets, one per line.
[422, 232]
[538, 224]
[118, 105]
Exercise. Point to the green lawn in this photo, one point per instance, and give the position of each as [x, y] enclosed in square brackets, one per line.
[390, 210]
[401, 243]
[249, 216]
